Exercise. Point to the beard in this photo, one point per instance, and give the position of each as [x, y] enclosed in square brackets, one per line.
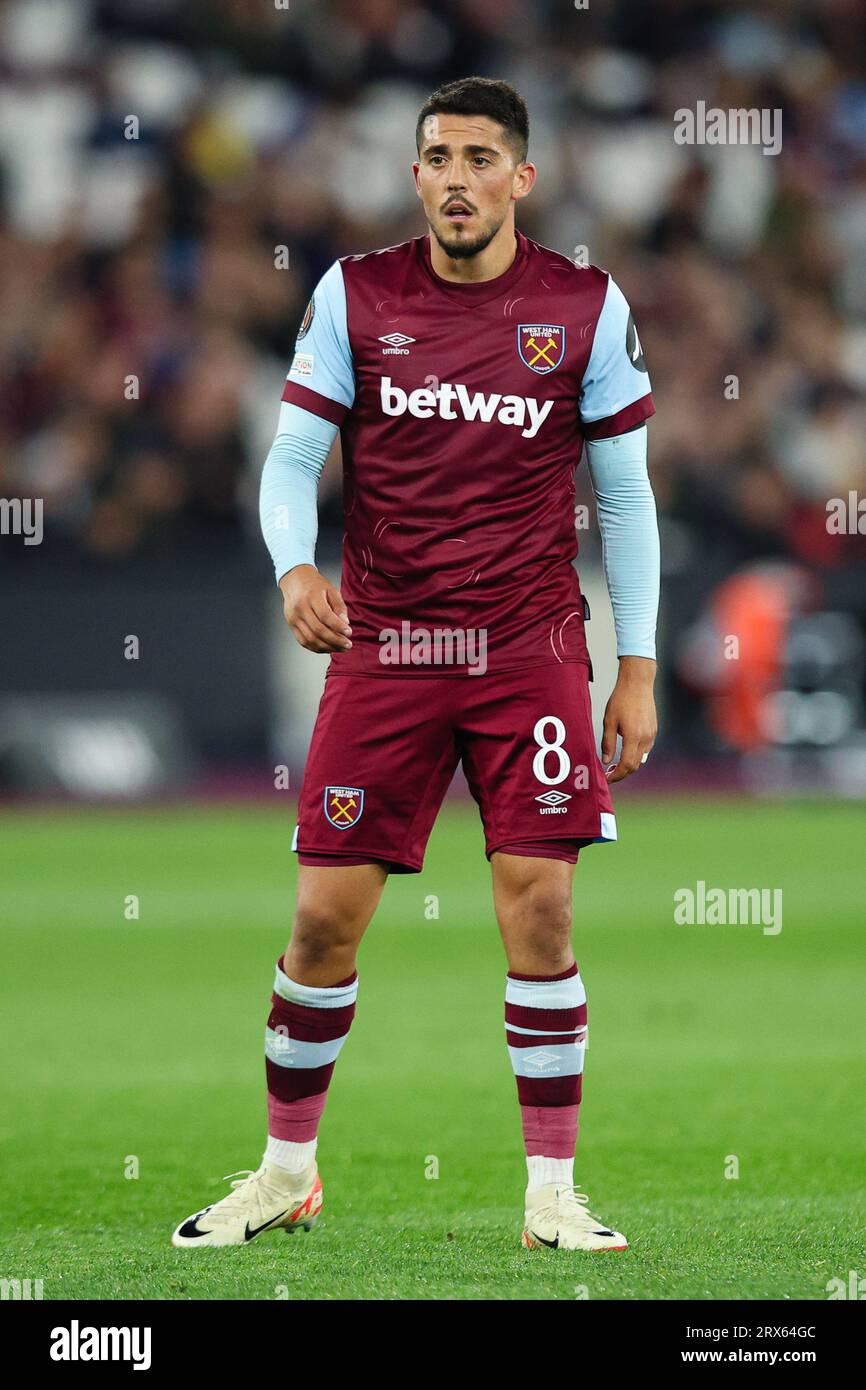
[461, 248]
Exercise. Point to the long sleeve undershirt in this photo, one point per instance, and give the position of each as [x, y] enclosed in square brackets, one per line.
[618, 473]
[289, 487]
[629, 537]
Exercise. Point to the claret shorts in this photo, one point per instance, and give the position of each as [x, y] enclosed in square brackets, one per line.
[385, 748]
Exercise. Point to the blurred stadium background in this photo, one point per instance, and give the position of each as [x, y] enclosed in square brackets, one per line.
[176, 174]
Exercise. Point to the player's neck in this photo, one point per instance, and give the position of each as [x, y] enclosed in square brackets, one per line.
[490, 263]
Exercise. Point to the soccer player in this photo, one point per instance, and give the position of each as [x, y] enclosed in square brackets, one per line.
[465, 369]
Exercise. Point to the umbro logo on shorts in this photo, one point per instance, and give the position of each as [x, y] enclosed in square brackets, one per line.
[344, 806]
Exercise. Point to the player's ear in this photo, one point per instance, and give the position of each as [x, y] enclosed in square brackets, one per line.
[415, 171]
[524, 180]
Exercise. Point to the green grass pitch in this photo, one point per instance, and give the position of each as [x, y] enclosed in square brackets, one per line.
[138, 1044]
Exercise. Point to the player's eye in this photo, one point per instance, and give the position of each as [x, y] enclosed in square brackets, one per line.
[481, 159]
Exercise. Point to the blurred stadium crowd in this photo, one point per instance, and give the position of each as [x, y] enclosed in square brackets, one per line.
[147, 314]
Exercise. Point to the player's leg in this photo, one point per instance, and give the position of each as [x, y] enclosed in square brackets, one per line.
[335, 905]
[380, 761]
[312, 1007]
[523, 735]
[532, 897]
[533, 901]
[546, 1028]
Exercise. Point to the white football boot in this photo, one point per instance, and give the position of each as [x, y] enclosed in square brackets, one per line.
[265, 1200]
[557, 1216]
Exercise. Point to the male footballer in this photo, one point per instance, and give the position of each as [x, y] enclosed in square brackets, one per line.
[465, 370]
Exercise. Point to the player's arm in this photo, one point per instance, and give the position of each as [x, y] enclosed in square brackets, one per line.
[615, 401]
[630, 549]
[313, 607]
[319, 391]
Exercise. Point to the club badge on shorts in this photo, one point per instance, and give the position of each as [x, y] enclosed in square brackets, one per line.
[541, 346]
[343, 806]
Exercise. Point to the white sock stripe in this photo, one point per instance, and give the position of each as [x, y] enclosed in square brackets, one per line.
[315, 996]
[546, 994]
[546, 1032]
[286, 1051]
[551, 1059]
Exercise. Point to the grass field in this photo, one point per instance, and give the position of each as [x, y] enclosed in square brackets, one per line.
[142, 1039]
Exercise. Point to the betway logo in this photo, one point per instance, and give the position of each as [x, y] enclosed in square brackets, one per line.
[449, 402]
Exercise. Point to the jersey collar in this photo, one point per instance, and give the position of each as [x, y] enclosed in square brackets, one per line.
[483, 290]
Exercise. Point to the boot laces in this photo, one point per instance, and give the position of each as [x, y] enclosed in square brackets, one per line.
[573, 1205]
[246, 1184]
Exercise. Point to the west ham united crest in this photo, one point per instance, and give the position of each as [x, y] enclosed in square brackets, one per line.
[541, 345]
[343, 806]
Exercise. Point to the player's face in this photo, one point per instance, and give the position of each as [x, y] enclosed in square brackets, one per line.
[468, 179]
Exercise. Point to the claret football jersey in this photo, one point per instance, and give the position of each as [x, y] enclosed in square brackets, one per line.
[463, 409]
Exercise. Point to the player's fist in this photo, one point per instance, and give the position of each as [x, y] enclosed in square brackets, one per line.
[315, 611]
[631, 714]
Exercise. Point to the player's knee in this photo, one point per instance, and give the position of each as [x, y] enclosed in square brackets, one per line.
[541, 913]
[321, 933]
[547, 928]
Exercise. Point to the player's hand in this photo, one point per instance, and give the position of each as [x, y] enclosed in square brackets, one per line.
[315, 611]
[631, 713]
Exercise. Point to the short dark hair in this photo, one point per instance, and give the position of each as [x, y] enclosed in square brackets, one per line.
[481, 96]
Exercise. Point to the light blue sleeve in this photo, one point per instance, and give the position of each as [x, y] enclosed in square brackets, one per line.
[629, 537]
[323, 354]
[289, 487]
[616, 374]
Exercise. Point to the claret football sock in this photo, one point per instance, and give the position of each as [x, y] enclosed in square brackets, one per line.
[545, 1022]
[306, 1029]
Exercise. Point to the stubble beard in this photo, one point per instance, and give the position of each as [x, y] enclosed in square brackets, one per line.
[462, 249]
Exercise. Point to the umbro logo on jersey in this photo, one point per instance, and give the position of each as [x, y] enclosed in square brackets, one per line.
[552, 803]
[450, 402]
[397, 344]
